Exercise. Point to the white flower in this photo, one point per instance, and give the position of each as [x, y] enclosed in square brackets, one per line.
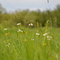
[46, 34]
[49, 37]
[18, 23]
[5, 29]
[31, 24]
[37, 34]
[20, 31]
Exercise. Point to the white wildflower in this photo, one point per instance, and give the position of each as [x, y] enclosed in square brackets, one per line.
[20, 31]
[49, 37]
[37, 34]
[18, 23]
[46, 34]
[5, 29]
[31, 24]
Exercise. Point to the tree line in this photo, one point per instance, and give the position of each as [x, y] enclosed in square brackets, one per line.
[25, 17]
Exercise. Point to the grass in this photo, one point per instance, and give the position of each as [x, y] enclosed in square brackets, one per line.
[27, 45]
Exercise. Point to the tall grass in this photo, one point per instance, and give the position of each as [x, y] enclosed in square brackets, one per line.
[28, 45]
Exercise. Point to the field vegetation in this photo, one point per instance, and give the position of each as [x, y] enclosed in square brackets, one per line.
[21, 43]
[30, 35]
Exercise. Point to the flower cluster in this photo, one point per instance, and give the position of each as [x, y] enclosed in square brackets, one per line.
[31, 24]
[37, 34]
[47, 36]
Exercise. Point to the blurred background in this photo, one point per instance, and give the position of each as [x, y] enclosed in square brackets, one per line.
[26, 12]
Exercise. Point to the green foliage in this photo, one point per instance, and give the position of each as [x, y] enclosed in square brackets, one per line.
[55, 22]
[25, 17]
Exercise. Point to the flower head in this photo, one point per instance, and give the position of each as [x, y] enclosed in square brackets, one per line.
[5, 28]
[20, 31]
[18, 24]
[37, 34]
[49, 37]
[46, 34]
[31, 24]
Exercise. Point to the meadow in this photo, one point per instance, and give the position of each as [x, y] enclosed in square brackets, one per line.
[19, 43]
